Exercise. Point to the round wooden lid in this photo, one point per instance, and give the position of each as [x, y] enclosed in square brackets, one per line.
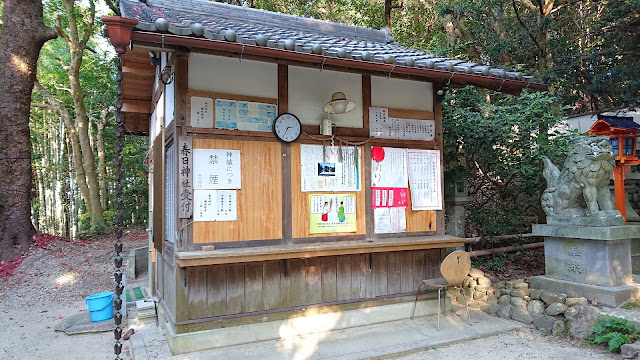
[455, 267]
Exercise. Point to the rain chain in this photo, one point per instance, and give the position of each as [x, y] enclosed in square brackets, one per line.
[117, 260]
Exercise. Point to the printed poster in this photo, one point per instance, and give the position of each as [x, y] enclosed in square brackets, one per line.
[226, 114]
[216, 169]
[389, 178]
[215, 205]
[325, 170]
[245, 115]
[332, 213]
[425, 179]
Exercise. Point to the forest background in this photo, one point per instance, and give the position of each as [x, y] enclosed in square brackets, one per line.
[588, 52]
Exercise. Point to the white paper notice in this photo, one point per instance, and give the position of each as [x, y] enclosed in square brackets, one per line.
[215, 205]
[216, 169]
[201, 112]
[389, 220]
[424, 179]
[324, 172]
[384, 127]
[392, 171]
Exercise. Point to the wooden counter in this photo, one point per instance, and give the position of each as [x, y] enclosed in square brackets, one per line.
[301, 251]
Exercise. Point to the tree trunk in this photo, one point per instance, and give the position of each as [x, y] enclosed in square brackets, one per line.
[22, 37]
[388, 6]
[77, 43]
[102, 162]
[74, 139]
[82, 121]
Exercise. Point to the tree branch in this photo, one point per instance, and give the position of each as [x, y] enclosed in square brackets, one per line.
[61, 32]
[43, 106]
[73, 27]
[113, 7]
[88, 30]
[65, 67]
[515, 9]
[53, 102]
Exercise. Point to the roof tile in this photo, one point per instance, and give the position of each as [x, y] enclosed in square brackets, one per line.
[225, 22]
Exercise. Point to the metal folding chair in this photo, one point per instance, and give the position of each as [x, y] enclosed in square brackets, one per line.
[454, 269]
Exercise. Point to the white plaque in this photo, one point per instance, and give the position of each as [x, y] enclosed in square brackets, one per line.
[216, 169]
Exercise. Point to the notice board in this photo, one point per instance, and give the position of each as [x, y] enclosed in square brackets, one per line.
[259, 200]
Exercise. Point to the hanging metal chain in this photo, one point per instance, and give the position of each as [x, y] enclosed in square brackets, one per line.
[117, 260]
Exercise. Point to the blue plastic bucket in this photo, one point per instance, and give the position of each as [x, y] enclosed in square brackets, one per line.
[100, 306]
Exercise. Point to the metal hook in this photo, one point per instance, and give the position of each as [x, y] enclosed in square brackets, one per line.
[500, 87]
[241, 52]
[389, 75]
[449, 80]
[322, 66]
[163, 42]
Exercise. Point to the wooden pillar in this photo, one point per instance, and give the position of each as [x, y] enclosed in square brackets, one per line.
[618, 185]
[437, 113]
[366, 104]
[283, 107]
[180, 275]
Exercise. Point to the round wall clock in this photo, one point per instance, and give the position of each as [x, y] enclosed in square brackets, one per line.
[287, 127]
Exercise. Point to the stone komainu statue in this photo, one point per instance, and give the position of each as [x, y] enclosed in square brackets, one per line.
[582, 187]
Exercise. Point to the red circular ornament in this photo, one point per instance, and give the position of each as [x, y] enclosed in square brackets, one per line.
[377, 153]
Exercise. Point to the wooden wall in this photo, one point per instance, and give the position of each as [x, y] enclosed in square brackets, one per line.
[259, 199]
[300, 200]
[245, 288]
[419, 220]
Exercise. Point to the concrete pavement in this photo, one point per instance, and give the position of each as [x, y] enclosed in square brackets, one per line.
[365, 342]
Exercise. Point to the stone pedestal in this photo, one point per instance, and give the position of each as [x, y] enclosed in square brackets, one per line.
[456, 215]
[589, 261]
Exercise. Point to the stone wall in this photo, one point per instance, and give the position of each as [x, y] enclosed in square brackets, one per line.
[549, 312]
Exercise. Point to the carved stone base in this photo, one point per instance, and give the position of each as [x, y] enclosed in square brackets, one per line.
[597, 256]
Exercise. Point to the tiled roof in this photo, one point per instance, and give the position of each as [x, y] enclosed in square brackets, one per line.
[620, 122]
[220, 21]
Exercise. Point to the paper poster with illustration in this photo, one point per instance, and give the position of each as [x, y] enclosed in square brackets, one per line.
[332, 213]
[331, 168]
[389, 178]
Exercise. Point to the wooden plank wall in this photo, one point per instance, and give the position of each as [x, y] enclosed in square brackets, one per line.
[259, 200]
[245, 288]
[420, 220]
[300, 200]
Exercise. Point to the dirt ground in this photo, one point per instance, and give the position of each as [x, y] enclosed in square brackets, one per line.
[50, 284]
[56, 275]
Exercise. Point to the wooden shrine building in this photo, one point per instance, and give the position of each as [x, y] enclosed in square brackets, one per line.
[259, 220]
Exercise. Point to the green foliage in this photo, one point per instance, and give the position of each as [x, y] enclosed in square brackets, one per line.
[615, 332]
[495, 142]
[56, 200]
[633, 304]
[494, 263]
[493, 220]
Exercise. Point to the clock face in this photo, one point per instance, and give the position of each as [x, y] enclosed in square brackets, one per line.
[287, 127]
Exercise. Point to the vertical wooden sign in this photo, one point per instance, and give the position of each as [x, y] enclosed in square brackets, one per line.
[185, 176]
